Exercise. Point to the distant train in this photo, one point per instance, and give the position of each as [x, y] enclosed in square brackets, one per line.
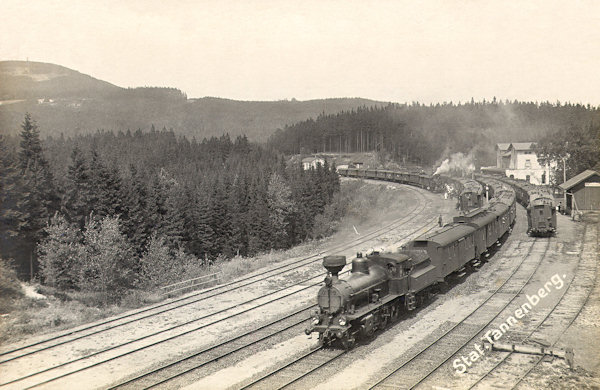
[541, 211]
[539, 202]
[382, 285]
[469, 192]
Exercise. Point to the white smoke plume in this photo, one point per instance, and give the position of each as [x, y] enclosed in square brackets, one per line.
[458, 165]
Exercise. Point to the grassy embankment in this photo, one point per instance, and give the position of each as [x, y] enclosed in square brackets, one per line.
[28, 309]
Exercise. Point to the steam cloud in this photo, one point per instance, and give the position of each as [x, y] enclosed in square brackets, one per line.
[458, 164]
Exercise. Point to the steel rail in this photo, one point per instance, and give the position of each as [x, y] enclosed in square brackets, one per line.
[291, 363]
[259, 277]
[447, 332]
[168, 329]
[213, 347]
[568, 326]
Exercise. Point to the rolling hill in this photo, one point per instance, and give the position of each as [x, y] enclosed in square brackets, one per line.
[65, 101]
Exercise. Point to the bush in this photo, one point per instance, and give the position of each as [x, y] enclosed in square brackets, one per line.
[10, 288]
[158, 263]
[60, 253]
[106, 265]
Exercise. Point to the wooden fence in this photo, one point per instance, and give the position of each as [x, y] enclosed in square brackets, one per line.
[191, 284]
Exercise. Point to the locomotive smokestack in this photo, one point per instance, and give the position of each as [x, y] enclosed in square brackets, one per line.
[334, 264]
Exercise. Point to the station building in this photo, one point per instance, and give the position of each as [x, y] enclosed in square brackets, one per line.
[518, 161]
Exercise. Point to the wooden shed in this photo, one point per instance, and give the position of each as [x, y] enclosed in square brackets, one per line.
[582, 192]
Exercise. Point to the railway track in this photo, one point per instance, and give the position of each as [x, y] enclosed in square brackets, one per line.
[186, 365]
[216, 352]
[122, 320]
[22, 380]
[500, 371]
[295, 370]
[587, 278]
[409, 373]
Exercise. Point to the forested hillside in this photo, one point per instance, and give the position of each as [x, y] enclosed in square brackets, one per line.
[423, 134]
[70, 103]
[141, 206]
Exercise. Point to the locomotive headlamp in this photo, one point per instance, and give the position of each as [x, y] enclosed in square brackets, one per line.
[342, 321]
[315, 321]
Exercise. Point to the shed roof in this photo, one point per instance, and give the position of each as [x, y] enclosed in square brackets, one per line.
[572, 182]
[502, 146]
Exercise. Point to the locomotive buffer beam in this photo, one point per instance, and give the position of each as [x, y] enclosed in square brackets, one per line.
[566, 354]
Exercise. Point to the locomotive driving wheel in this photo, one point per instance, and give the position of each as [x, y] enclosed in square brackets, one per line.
[348, 342]
[394, 312]
[384, 321]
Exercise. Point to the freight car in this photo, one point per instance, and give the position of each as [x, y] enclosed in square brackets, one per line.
[382, 285]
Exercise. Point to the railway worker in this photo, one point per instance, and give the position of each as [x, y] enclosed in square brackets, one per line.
[440, 220]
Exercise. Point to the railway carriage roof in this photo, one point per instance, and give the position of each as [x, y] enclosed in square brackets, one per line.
[477, 217]
[484, 218]
[451, 232]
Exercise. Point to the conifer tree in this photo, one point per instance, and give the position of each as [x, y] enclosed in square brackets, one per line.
[106, 193]
[220, 221]
[281, 207]
[237, 207]
[173, 220]
[259, 227]
[137, 226]
[78, 202]
[9, 181]
[198, 222]
[37, 198]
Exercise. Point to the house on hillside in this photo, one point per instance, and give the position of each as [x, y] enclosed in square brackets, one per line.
[312, 162]
[357, 163]
[519, 161]
[582, 192]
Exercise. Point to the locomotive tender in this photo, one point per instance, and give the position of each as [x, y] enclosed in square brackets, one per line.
[471, 196]
[382, 285]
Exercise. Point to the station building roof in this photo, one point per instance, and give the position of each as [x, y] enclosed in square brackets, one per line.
[523, 145]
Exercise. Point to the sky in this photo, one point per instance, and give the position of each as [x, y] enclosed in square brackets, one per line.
[400, 51]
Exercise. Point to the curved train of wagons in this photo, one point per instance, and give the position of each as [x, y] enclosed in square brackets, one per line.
[383, 285]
